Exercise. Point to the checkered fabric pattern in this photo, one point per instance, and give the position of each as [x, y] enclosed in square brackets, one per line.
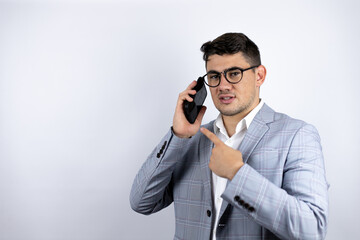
[280, 193]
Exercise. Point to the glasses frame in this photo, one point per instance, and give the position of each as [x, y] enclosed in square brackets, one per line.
[225, 72]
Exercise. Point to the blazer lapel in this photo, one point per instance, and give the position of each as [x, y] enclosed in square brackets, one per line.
[256, 131]
[205, 152]
[254, 134]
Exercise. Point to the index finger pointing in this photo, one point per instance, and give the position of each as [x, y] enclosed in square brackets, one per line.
[211, 136]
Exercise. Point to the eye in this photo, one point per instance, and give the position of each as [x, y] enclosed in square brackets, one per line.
[213, 76]
[234, 73]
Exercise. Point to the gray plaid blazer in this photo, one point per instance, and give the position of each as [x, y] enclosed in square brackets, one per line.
[280, 192]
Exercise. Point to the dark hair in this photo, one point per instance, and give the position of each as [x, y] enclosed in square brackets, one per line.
[231, 43]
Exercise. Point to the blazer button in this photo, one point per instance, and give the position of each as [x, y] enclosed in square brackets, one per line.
[237, 198]
[208, 212]
[158, 155]
[163, 146]
[251, 209]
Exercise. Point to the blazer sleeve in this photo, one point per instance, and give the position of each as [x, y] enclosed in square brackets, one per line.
[152, 187]
[299, 208]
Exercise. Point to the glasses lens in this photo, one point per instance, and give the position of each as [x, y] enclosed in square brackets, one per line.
[212, 79]
[234, 75]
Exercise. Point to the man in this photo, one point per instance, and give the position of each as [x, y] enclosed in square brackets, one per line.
[252, 173]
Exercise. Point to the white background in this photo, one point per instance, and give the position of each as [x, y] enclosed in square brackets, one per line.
[88, 88]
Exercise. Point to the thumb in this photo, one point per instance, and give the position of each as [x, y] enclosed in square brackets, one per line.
[201, 114]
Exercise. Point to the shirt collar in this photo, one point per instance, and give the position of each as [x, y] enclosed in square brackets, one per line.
[250, 117]
[244, 123]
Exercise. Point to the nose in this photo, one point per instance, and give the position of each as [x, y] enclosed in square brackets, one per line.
[224, 84]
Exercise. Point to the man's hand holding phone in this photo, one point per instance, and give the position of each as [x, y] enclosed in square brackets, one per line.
[181, 126]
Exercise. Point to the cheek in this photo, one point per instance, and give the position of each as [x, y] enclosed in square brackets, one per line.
[246, 88]
[213, 93]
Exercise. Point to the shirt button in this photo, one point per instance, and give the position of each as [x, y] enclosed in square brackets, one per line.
[208, 212]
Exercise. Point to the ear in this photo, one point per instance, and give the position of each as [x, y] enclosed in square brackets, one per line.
[260, 75]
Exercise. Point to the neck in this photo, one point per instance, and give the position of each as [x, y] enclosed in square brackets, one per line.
[230, 122]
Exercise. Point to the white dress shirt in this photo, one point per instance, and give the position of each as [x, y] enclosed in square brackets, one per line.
[219, 183]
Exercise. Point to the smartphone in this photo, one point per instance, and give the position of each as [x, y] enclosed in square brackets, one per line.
[192, 109]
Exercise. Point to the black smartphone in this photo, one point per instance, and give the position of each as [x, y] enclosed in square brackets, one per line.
[192, 109]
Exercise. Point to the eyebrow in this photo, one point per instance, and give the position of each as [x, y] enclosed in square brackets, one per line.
[214, 71]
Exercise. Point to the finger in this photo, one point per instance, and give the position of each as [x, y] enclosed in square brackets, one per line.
[192, 85]
[211, 136]
[191, 92]
[201, 114]
[185, 96]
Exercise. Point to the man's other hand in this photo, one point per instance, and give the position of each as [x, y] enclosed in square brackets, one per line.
[224, 161]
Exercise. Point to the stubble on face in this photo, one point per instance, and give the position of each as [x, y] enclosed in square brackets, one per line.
[239, 108]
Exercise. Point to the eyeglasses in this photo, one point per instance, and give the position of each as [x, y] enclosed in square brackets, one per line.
[232, 75]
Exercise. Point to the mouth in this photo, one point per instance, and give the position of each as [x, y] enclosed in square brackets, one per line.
[226, 98]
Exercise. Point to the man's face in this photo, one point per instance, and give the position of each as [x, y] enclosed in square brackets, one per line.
[234, 99]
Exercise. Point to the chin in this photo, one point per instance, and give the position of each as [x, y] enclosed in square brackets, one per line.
[231, 112]
[228, 110]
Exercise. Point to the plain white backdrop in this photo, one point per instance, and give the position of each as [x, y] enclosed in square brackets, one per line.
[88, 88]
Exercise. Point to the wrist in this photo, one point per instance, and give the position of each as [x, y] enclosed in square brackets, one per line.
[234, 170]
[179, 135]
